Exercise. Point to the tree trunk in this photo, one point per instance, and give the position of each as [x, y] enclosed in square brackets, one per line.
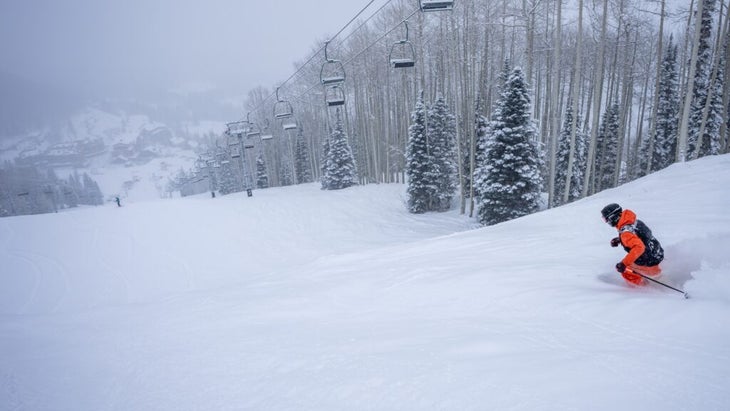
[597, 93]
[574, 102]
[655, 100]
[555, 101]
[684, 120]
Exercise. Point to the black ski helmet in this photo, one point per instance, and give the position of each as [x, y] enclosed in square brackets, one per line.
[611, 213]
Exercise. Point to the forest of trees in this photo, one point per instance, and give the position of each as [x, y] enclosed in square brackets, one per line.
[29, 190]
[615, 89]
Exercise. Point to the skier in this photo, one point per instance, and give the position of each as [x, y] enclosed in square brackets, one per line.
[644, 251]
[119, 203]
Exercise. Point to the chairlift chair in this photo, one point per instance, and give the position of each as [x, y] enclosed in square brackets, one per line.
[334, 96]
[436, 5]
[253, 131]
[235, 128]
[282, 108]
[265, 134]
[332, 71]
[235, 150]
[402, 53]
[290, 125]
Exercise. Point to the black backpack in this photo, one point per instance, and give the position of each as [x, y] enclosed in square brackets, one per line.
[654, 253]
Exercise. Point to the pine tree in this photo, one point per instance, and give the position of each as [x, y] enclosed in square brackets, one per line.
[340, 165]
[286, 175]
[418, 160]
[302, 166]
[227, 181]
[441, 133]
[562, 158]
[701, 90]
[92, 192]
[711, 143]
[508, 180]
[667, 125]
[607, 148]
[262, 177]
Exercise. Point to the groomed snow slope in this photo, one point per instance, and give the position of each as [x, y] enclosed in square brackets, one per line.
[300, 299]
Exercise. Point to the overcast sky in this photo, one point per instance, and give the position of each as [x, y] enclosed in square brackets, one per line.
[112, 45]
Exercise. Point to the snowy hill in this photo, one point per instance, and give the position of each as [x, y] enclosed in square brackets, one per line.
[130, 147]
[299, 298]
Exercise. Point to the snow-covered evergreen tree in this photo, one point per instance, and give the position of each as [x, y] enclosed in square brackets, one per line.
[92, 192]
[262, 176]
[441, 132]
[418, 161]
[703, 73]
[711, 142]
[607, 148]
[340, 171]
[286, 174]
[667, 125]
[302, 167]
[508, 180]
[562, 159]
[227, 181]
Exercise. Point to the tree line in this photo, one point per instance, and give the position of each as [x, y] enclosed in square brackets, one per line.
[30, 190]
[616, 89]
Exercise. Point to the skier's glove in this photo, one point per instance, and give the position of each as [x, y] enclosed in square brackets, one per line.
[621, 267]
[615, 242]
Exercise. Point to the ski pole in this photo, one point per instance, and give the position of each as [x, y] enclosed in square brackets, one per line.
[666, 285]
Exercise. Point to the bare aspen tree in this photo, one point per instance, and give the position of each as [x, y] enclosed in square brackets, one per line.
[725, 141]
[635, 155]
[627, 95]
[655, 100]
[684, 120]
[711, 86]
[597, 94]
[574, 102]
[555, 99]
[467, 132]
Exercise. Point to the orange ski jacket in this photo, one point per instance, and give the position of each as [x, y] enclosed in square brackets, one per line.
[631, 242]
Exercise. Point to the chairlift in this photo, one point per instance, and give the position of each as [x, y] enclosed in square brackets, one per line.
[235, 150]
[266, 135]
[436, 5]
[402, 53]
[291, 125]
[282, 108]
[235, 128]
[253, 130]
[333, 71]
[334, 96]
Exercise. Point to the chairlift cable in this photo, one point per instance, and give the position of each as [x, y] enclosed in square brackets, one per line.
[300, 96]
[257, 108]
[363, 23]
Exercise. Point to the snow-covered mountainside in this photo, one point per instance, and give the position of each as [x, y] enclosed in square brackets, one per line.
[298, 298]
[130, 155]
